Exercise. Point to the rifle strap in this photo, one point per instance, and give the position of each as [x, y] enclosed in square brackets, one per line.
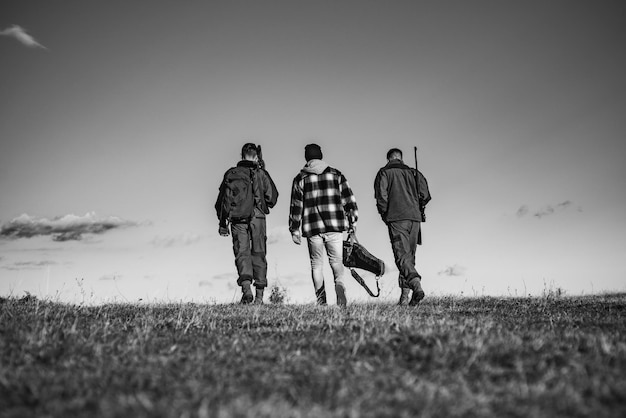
[359, 279]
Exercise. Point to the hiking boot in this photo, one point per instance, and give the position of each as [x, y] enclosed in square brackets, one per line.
[404, 296]
[320, 294]
[247, 293]
[341, 296]
[418, 292]
[258, 298]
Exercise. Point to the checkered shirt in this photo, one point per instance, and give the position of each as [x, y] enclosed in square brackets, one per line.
[321, 203]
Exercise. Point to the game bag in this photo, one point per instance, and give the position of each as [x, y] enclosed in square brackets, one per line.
[356, 256]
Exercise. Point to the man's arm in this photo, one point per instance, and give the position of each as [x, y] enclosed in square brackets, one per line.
[381, 195]
[219, 209]
[348, 201]
[296, 207]
[271, 192]
[424, 191]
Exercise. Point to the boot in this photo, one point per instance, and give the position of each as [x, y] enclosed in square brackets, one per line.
[247, 293]
[341, 295]
[404, 296]
[258, 298]
[321, 295]
[418, 292]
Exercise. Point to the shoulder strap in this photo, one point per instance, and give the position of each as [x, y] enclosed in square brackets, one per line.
[352, 239]
[360, 280]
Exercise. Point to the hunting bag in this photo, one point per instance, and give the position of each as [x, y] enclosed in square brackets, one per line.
[356, 256]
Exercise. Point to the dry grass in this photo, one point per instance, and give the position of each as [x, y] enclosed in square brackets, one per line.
[472, 357]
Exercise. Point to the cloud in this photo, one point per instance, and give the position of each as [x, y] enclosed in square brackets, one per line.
[112, 277]
[549, 210]
[20, 34]
[65, 228]
[546, 210]
[522, 211]
[29, 265]
[225, 276]
[181, 240]
[454, 270]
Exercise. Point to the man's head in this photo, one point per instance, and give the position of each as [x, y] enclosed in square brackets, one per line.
[249, 152]
[312, 152]
[394, 154]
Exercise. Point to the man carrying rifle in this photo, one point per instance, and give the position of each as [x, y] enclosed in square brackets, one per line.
[401, 194]
[246, 195]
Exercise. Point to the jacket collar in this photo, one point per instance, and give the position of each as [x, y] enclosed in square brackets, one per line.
[247, 163]
[396, 164]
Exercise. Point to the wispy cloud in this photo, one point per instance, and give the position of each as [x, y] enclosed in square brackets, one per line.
[181, 240]
[112, 277]
[549, 210]
[20, 34]
[225, 276]
[29, 265]
[546, 210]
[65, 228]
[522, 211]
[454, 270]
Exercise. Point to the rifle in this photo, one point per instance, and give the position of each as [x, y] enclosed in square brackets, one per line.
[259, 154]
[420, 196]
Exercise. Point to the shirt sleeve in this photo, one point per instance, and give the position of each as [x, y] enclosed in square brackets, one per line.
[297, 205]
[348, 200]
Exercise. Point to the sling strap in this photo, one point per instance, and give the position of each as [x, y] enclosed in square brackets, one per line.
[359, 279]
[352, 239]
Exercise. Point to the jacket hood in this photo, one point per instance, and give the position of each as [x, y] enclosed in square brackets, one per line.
[314, 167]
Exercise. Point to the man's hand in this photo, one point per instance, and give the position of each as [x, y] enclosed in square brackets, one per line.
[352, 218]
[296, 237]
[223, 230]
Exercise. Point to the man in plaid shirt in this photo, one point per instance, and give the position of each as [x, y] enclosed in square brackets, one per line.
[323, 206]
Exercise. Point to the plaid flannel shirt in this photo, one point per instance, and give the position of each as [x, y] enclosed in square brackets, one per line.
[321, 203]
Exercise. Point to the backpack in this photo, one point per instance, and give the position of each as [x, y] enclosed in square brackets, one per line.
[237, 195]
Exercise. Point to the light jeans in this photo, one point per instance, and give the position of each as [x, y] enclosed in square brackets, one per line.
[333, 243]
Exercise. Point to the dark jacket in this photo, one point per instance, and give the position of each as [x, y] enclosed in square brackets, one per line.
[396, 192]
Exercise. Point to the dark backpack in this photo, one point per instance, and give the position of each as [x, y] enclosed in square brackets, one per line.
[237, 200]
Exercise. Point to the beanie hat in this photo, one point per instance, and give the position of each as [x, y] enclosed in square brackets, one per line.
[312, 152]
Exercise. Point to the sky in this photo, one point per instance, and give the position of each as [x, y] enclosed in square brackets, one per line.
[118, 120]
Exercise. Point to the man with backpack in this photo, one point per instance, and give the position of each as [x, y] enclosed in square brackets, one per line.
[401, 194]
[246, 195]
[323, 206]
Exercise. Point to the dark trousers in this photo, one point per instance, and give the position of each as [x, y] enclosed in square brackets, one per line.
[250, 247]
[403, 236]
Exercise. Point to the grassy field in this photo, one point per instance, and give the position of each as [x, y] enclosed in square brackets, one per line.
[474, 357]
